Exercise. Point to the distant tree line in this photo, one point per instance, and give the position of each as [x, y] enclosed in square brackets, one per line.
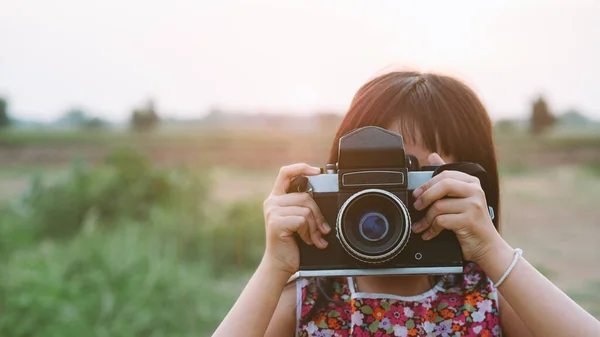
[146, 118]
[4, 120]
[78, 117]
[541, 120]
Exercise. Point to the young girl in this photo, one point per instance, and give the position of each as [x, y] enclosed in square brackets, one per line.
[499, 293]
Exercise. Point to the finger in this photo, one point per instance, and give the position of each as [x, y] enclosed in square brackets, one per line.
[441, 222]
[305, 200]
[444, 188]
[435, 159]
[290, 224]
[286, 173]
[449, 174]
[311, 231]
[299, 224]
[439, 207]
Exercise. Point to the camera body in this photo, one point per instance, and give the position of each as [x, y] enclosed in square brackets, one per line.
[367, 197]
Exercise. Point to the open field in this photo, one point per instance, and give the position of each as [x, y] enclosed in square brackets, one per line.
[550, 188]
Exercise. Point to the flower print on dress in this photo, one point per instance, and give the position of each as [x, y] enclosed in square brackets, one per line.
[428, 327]
[311, 327]
[378, 333]
[485, 306]
[396, 314]
[450, 311]
[333, 323]
[472, 279]
[400, 331]
[444, 328]
[419, 311]
[324, 333]
[379, 313]
[478, 316]
[360, 332]
[357, 318]
[460, 320]
[385, 323]
[477, 328]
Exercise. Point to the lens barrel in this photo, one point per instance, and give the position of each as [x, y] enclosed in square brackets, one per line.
[373, 225]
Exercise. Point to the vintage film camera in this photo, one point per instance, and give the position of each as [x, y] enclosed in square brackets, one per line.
[368, 196]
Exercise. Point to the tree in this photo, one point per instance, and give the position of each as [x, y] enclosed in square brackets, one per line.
[94, 123]
[73, 117]
[574, 118]
[146, 118]
[4, 120]
[541, 118]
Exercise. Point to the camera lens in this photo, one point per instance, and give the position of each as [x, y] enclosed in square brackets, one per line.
[373, 225]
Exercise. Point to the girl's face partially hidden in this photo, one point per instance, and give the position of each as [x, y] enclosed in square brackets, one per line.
[417, 147]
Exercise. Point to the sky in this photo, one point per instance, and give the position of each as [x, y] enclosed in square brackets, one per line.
[289, 56]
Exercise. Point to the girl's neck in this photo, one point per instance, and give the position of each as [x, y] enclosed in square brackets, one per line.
[409, 285]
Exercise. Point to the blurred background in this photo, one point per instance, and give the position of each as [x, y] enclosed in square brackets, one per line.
[138, 140]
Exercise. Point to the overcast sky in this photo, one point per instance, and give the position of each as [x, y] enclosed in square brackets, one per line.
[275, 55]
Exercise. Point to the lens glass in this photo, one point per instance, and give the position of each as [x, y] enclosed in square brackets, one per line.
[373, 226]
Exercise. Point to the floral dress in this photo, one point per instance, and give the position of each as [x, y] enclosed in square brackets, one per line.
[454, 307]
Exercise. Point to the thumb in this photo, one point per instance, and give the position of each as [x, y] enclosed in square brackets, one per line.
[435, 159]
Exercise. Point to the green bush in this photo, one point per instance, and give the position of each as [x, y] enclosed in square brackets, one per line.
[236, 240]
[126, 186]
[129, 281]
[123, 249]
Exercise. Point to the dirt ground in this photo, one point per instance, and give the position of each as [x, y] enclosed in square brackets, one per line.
[554, 217]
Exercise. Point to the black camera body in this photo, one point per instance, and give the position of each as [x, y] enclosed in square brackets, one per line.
[367, 198]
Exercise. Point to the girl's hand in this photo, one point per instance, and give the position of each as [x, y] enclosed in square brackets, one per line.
[286, 214]
[457, 204]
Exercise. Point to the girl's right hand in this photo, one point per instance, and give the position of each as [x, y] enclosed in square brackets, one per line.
[289, 213]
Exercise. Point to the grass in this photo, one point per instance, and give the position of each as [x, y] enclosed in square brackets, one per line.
[123, 248]
[128, 281]
[588, 297]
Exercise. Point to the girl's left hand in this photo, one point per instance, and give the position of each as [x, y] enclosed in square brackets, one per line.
[457, 204]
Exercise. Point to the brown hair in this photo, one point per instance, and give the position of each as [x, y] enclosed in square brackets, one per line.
[449, 117]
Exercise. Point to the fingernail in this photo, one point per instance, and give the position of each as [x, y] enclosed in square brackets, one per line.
[309, 242]
[418, 204]
[416, 227]
[426, 236]
[417, 193]
[316, 169]
[323, 242]
[326, 227]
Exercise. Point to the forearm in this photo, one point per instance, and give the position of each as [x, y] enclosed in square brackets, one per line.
[252, 312]
[544, 308]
